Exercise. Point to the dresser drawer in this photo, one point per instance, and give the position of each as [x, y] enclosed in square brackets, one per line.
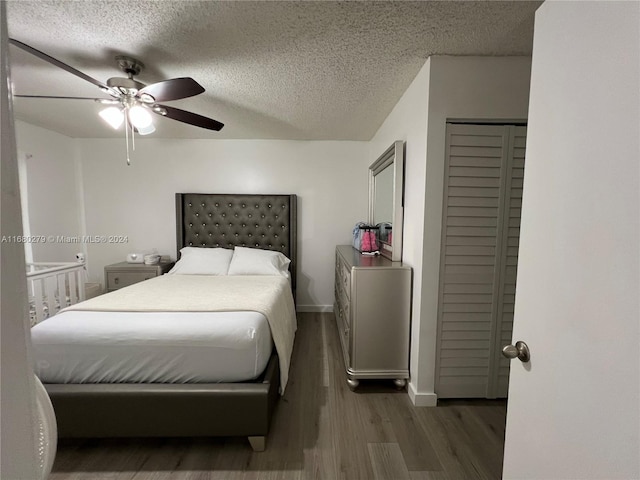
[346, 308]
[343, 276]
[117, 280]
[343, 331]
[346, 280]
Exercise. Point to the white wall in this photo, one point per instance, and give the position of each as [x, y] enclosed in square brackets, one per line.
[408, 122]
[54, 206]
[330, 179]
[446, 88]
[575, 411]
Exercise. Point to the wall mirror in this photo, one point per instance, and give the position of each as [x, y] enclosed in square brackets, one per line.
[386, 185]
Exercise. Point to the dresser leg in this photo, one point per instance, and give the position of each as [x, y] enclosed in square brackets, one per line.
[400, 383]
[353, 383]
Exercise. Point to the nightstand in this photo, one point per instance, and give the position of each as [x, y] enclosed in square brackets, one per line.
[123, 274]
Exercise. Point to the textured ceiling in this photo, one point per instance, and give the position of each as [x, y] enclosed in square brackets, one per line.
[288, 70]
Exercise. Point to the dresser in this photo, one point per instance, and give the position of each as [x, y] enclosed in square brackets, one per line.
[372, 309]
[123, 274]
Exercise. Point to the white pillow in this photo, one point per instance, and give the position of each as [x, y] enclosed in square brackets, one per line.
[202, 261]
[253, 261]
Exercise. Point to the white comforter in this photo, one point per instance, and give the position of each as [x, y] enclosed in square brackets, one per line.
[269, 295]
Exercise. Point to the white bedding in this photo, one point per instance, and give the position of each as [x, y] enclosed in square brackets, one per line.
[269, 295]
[151, 347]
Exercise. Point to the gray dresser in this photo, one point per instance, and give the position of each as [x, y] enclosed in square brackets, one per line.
[372, 310]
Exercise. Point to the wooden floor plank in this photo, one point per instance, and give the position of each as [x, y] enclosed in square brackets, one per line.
[387, 461]
[431, 476]
[488, 441]
[318, 447]
[413, 440]
[378, 426]
[351, 456]
[320, 431]
[232, 459]
[459, 449]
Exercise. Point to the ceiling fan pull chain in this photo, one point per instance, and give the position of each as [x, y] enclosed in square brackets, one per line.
[126, 137]
[133, 138]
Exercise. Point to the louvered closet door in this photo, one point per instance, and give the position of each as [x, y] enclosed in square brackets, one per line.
[481, 221]
[499, 379]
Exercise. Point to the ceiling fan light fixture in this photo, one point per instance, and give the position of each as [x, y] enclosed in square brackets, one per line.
[114, 116]
[140, 117]
[146, 130]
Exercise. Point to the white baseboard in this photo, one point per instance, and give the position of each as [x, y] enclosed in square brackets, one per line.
[314, 308]
[421, 399]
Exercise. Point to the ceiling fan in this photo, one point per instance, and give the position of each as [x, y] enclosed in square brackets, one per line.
[132, 102]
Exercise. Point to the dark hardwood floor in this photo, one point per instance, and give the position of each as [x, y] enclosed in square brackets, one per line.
[320, 430]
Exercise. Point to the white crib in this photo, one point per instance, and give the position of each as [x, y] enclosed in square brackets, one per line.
[53, 286]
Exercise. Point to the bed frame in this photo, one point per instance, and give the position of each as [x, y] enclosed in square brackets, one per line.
[177, 410]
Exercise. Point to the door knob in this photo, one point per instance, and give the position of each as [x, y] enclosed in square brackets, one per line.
[520, 350]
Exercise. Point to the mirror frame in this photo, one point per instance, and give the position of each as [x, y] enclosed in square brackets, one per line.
[393, 156]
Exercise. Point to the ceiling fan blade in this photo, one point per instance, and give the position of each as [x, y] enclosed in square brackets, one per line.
[190, 118]
[173, 89]
[57, 63]
[65, 98]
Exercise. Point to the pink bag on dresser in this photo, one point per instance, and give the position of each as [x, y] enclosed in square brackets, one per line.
[369, 243]
[364, 238]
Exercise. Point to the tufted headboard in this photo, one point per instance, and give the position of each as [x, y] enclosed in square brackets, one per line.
[268, 222]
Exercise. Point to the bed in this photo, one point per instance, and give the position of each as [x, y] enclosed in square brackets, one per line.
[160, 400]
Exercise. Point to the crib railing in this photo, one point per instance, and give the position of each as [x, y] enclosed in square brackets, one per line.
[53, 286]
